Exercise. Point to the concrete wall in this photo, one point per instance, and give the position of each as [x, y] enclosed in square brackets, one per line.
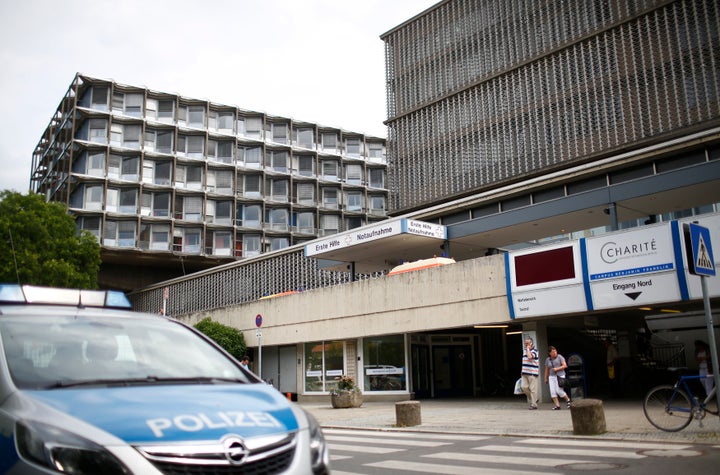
[458, 295]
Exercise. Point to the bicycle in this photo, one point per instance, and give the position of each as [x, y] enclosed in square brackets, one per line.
[672, 407]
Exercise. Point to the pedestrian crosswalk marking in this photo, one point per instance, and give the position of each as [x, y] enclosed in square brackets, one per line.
[444, 469]
[515, 460]
[411, 443]
[604, 443]
[363, 449]
[375, 434]
[565, 452]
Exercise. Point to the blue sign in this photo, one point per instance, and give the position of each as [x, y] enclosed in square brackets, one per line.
[258, 320]
[703, 262]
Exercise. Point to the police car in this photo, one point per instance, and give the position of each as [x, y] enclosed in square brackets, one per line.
[88, 387]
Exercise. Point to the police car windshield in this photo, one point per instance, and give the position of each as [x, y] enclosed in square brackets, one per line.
[67, 351]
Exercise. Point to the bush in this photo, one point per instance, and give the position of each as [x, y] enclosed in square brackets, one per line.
[231, 339]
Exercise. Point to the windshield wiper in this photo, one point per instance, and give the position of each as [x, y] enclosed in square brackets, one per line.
[145, 380]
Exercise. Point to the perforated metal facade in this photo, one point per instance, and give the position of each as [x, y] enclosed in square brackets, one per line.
[484, 92]
[240, 282]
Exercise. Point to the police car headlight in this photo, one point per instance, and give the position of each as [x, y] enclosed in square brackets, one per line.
[64, 451]
[319, 455]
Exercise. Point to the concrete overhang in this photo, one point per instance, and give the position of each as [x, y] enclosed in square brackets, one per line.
[379, 247]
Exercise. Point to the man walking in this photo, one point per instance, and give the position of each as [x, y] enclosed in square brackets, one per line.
[530, 372]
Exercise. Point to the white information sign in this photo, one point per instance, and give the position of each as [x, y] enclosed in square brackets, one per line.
[551, 301]
[631, 268]
[546, 280]
[373, 233]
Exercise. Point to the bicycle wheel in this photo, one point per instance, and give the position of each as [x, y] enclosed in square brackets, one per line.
[667, 408]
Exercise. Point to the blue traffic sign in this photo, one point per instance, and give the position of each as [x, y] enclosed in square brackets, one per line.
[258, 320]
[703, 262]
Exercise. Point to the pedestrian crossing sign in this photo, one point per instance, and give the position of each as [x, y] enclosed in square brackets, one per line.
[700, 260]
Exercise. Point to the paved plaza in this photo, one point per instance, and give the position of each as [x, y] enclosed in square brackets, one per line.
[510, 416]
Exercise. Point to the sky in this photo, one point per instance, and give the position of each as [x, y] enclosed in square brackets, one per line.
[319, 61]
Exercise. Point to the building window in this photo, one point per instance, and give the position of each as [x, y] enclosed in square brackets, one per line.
[278, 133]
[278, 243]
[376, 150]
[125, 135]
[119, 234]
[166, 111]
[250, 156]
[377, 205]
[251, 216]
[251, 245]
[128, 104]
[278, 161]
[130, 169]
[251, 186]
[377, 177]
[353, 147]
[160, 141]
[98, 131]
[223, 122]
[222, 243]
[305, 165]
[192, 116]
[385, 368]
[99, 99]
[330, 198]
[192, 208]
[96, 164]
[354, 201]
[188, 240]
[192, 146]
[305, 193]
[306, 222]
[90, 224]
[330, 170]
[128, 201]
[354, 174]
[253, 127]
[163, 173]
[220, 181]
[156, 204]
[279, 190]
[155, 237]
[93, 198]
[220, 151]
[278, 219]
[304, 137]
[329, 142]
[329, 224]
[219, 212]
[324, 365]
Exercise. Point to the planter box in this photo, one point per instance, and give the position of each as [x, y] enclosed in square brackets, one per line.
[345, 398]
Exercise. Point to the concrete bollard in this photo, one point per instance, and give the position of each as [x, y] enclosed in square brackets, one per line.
[407, 413]
[588, 417]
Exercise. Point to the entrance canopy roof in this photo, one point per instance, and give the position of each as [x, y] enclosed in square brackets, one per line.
[379, 247]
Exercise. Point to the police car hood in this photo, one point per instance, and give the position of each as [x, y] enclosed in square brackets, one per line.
[166, 414]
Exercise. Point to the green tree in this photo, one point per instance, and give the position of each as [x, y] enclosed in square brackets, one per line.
[39, 244]
[231, 339]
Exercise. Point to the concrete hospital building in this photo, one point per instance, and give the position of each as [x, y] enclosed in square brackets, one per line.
[556, 151]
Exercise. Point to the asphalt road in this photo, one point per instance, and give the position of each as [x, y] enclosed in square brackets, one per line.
[374, 452]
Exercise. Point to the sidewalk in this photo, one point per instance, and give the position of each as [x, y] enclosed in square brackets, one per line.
[511, 417]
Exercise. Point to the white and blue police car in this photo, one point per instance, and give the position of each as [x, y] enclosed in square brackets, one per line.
[89, 387]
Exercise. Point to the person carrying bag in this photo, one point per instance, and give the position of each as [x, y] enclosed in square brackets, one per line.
[555, 366]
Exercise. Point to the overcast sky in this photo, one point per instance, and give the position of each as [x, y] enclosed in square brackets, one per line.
[319, 61]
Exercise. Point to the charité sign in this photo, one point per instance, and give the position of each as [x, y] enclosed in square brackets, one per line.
[634, 267]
